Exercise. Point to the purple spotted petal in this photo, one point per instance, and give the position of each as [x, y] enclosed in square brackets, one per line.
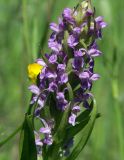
[89, 12]
[54, 27]
[53, 58]
[76, 109]
[39, 142]
[33, 100]
[77, 63]
[99, 19]
[40, 102]
[84, 75]
[42, 74]
[103, 24]
[51, 75]
[61, 101]
[79, 53]
[94, 52]
[67, 15]
[34, 89]
[61, 25]
[64, 78]
[72, 41]
[91, 65]
[41, 62]
[61, 67]
[72, 119]
[48, 140]
[52, 87]
[100, 23]
[52, 38]
[45, 130]
[60, 96]
[77, 30]
[37, 112]
[94, 77]
[37, 139]
[55, 46]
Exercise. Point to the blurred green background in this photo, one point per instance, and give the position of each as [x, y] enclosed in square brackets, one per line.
[23, 27]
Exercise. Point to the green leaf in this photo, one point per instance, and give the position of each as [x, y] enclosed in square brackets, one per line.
[69, 66]
[85, 134]
[70, 91]
[82, 120]
[61, 129]
[27, 141]
[65, 45]
[57, 116]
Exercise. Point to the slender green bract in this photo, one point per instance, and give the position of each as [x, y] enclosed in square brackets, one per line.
[27, 141]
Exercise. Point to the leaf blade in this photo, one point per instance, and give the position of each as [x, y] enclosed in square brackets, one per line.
[86, 132]
[27, 141]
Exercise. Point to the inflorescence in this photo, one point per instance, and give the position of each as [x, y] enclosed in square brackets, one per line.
[71, 63]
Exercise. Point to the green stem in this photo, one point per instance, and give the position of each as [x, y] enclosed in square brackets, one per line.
[30, 107]
[11, 136]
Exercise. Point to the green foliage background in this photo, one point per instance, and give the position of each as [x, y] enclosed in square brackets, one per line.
[23, 27]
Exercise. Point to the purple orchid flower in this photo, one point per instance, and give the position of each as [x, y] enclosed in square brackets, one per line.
[70, 61]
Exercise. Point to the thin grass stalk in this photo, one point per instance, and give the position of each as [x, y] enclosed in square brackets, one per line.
[119, 120]
[49, 10]
[25, 28]
[10, 136]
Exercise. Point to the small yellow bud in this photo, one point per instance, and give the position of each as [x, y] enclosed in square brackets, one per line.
[84, 4]
[33, 71]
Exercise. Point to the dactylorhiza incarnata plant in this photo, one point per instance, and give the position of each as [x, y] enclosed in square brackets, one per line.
[62, 80]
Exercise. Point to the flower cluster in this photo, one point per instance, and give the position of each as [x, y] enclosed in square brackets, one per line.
[71, 61]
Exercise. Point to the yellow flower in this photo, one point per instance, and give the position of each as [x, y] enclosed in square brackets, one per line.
[33, 71]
